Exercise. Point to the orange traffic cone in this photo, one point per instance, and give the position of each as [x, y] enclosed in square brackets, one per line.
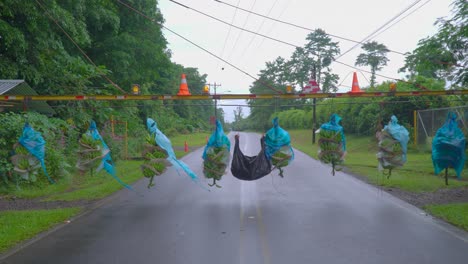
[185, 146]
[355, 87]
[183, 90]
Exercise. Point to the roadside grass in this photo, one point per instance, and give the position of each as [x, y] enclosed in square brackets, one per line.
[37, 189]
[100, 185]
[193, 140]
[17, 226]
[302, 140]
[417, 175]
[456, 214]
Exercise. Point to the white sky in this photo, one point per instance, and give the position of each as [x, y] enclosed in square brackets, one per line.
[350, 19]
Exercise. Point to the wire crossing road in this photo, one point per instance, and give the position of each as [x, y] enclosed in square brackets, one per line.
[308, 216]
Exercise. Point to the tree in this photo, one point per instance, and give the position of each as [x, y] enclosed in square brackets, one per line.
[374, 56]
[318, 53]
[444, 55]
[238, 118]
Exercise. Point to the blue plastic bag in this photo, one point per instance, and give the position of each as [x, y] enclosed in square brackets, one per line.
[448, 147]
[398, 132]
[106, 162]
[35, 144]
[278, 139]
[333, 125]
[217, 139]
[164, 143]
[216, 155]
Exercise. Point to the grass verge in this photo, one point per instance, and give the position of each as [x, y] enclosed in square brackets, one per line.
[417, 175]
[456, 214]
[18, 226]
[100, 185]
[193, 140]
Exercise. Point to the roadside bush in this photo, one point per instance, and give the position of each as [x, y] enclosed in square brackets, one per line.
[60, 140]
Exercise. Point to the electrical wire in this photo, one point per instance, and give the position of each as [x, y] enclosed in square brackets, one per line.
[274, 22]
[198, 46]
[290, 44]
[370, 101]
[258, 30]
[242, 30]
[295, 25]
[77, 46]
[398, 21]
[227, 23]
[368, 37]
[228, 34]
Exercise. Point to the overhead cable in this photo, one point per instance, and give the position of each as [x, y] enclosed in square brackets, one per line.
[284, 42]
[196, 45]
[296, 26]
[368, 37]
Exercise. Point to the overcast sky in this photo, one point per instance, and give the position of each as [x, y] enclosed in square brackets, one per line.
[349, 19]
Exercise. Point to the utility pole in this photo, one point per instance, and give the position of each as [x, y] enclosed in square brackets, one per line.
[215, 97]
[314, 103]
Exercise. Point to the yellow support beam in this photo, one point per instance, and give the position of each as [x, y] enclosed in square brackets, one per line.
[225, 96]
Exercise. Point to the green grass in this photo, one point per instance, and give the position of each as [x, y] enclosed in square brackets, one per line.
[417, 175]
[37, 189]
[193, 140]
[102, 184]
[457, 214]
[17, 226]
[302, 140]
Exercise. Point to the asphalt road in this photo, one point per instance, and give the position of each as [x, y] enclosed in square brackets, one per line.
[308, 216]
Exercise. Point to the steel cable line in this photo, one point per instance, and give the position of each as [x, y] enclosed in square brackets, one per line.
[229, 32]
[273, 25]
[240, 33]
[368, 37]
[369, 101]
[293, 45]
[224, 22]
[297, 26]
[196, 45]
[258, 29]
[77, 46]
[398, 21]
[277, 40]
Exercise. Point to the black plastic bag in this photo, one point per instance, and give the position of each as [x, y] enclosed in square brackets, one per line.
[248, 168]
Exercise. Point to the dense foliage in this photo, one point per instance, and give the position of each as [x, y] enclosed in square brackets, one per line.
[125, 48]
[122, 48]
[61, 142]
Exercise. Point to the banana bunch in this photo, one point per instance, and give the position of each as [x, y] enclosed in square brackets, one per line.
[390, 153]
[155, 160]
[330, 148]
[215, 163]
[281, 158]
[89, 153]
[25, 164]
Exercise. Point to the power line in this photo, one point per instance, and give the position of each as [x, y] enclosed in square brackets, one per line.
[224, 22]
[196, 45]
[272, 26]
[398, 21]
[258, 29]
[297, 26]
[242, 30]
[77, 46]
[281, 41]
[229, 32]
[368, 37]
